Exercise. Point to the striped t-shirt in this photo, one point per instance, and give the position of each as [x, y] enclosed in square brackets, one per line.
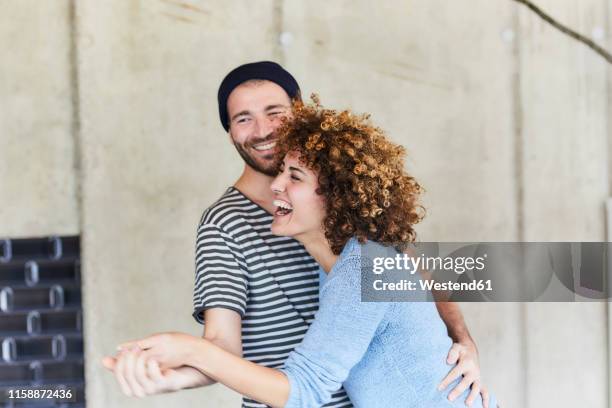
[270, 281]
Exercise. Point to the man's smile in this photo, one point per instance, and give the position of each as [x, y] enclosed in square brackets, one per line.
[264, 146]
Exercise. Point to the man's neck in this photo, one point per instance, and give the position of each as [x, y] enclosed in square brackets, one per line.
[256, 187]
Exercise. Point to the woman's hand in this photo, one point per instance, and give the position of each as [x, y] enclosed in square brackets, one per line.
[465, 356]
[170, 350]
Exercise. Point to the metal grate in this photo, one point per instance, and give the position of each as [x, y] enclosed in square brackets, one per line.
[41, 340]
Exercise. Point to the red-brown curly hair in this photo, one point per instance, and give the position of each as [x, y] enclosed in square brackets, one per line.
[368, 194]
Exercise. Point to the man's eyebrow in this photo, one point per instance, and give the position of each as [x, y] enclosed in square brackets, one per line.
[278, 105]
[244, 112]
[296, 169]
[267, 109]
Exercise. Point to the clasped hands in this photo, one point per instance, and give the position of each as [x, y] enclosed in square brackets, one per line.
[160, 364]
[156, 364]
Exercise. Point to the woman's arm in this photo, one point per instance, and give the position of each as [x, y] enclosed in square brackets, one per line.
[336, 341]
[263, 384]
[171, 350]
[137, 377]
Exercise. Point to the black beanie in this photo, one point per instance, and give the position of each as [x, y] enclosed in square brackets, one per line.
[268, 70]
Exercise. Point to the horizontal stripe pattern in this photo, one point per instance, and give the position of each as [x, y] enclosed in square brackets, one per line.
[270, 281]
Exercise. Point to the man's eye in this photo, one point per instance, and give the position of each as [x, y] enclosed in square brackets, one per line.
[295, 178]
[242, 120]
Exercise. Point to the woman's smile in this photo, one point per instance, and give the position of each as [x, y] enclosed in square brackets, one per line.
[299, 209]
[282, 208]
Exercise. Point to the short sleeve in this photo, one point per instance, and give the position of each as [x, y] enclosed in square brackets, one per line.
[220, 280]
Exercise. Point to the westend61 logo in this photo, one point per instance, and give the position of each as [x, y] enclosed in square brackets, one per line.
[490, 271]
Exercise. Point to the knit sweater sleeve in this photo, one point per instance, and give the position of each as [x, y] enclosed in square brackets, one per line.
[337, 339]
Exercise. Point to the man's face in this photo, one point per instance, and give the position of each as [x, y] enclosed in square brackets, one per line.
[255, 110]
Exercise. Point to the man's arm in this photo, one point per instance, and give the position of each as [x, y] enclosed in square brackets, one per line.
[222, 328]
[139, 378]
[463, 353]
[455, 324]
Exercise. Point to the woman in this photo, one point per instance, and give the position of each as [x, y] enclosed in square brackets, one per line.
[341, 191]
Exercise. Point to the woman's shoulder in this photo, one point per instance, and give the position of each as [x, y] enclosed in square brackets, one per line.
[357, 256]
[364, 251]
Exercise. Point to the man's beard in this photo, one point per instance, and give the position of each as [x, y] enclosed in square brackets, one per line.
[269, 169]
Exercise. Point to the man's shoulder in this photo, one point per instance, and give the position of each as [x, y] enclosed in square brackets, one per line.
[229, 208]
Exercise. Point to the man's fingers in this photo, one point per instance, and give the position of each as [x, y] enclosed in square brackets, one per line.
[141, 375]
[475, 392]
[484, 391]
[460, 388]
[453, 354]
[129, 374]
[450, 377]
[154, 371]
[119, 367]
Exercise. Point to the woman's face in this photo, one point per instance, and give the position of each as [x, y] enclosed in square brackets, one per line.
[299, 209]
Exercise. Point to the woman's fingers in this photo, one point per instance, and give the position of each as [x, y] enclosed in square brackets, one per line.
[459, 389]
[144, 343]
[109, 363]
[474, 393]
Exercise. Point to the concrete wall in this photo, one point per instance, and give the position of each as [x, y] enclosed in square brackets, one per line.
[37, 149]
[110, 130]
[564, 161]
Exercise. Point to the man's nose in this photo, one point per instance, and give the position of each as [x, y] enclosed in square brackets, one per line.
[265, 127]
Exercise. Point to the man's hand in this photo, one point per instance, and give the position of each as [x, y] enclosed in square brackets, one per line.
[465, 356]
[140, 377]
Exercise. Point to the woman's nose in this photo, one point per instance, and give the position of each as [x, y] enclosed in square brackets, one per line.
[277, 185]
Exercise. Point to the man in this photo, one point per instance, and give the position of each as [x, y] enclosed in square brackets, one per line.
[257, 293]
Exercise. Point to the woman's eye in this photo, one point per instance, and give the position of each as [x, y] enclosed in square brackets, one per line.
[295, 178]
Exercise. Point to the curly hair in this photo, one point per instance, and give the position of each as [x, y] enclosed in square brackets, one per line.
[368, 194]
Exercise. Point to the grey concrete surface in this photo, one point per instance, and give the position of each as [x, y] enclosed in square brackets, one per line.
[110, 129]
[37, 177]
[451, 106]
[564, 100]
[154, 158]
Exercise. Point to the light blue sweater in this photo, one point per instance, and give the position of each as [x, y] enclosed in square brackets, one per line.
[387, 354]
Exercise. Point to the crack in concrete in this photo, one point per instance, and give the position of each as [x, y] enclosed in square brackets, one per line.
[566, 30]
[278, 28]
[187, 6]
[75, 126]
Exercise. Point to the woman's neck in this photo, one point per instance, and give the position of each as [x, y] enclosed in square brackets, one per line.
[318, 247]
